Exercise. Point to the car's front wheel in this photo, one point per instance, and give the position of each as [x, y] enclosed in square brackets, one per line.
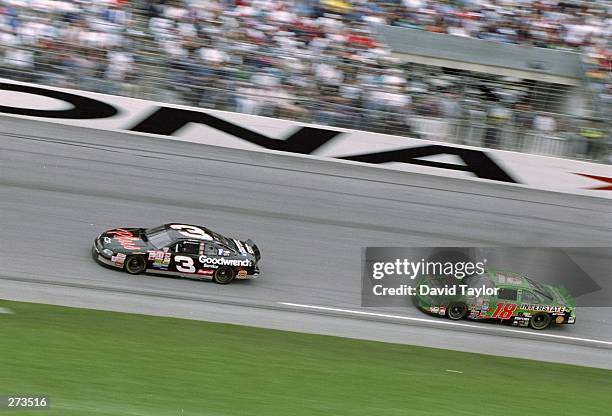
[224, 275]
[456, 311]
[540, 321]
[135, 264]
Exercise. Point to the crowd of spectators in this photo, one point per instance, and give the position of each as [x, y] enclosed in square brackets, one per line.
[543, 23]
[310, 60]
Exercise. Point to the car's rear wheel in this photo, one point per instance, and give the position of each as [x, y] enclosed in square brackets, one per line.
[456, 311]
[224, 275]
[540, 321]
[135, 264]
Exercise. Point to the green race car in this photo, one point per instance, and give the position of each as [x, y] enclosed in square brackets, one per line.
[495, 295]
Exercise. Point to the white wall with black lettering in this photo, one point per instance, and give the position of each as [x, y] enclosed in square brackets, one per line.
[234, 130]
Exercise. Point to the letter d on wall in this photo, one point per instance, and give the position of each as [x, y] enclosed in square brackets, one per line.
[82, 107]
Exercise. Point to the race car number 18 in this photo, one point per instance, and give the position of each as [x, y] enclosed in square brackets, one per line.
[504, 310]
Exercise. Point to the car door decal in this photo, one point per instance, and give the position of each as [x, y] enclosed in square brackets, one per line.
[184, 264]
[504, 310]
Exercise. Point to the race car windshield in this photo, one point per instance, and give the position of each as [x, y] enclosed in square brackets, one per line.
[479, 281]
[158, 237]
[540, 289]
[224, 240]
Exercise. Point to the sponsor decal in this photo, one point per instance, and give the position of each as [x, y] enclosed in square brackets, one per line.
[107, 240]
[125, 239]
[206, 272]
[242, 274]
[119, 259]
[225, 262]
[543, 308]
[478, 310]
[160, 258]
[520, 321]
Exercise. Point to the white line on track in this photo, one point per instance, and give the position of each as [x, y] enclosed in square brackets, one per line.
[432, 321]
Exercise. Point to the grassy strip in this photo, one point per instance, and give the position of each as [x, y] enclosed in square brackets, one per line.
[104, 363]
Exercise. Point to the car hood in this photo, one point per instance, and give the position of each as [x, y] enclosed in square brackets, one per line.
[125, 240]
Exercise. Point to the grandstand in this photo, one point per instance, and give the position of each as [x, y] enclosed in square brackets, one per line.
[333, 63]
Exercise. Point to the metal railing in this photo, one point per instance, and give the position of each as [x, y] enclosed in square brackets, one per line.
[510, 136]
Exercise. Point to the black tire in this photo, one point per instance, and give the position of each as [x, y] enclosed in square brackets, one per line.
[540, 321]
[224, 275]
[135, 264]
[456, 311]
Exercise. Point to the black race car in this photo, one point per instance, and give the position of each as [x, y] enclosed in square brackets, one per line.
[179, 250]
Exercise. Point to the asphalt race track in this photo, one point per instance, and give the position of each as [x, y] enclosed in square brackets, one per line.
[61, 186]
